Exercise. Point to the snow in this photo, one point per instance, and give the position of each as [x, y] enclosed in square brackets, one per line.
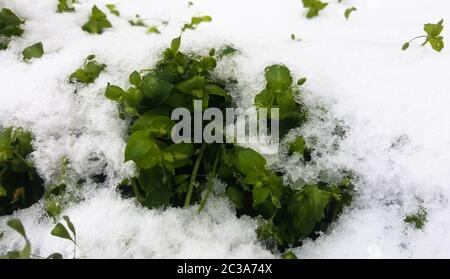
[393, 103]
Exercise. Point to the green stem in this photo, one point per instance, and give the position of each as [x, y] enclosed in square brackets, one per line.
[136, 192]
[187, 201]
[422, 36]
[23, 159]
[211, 176]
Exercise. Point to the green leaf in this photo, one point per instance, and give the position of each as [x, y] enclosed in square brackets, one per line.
[52, 208]
[179, 154]
[348, 11]
[153, 30]
[154, 124]
[10, 25]
[301, 81]
[249, 161]
[3, 192]
[60, 231]
[307, 208]
[195, 21]
[55, 256]
[278, 77]
[16, 225]
[135, 78]
[314, 7]
[97, 22]
[298, 146]
[143, 150]
[33, 51]
[112, 9]
[70, 225]
[156, 183]
[259, 195]
[89, 73]
[155, 87]
[436, 43]
[237, 196]
[434, 30]
[114, 92]
[175, 45]
[194, 83]
[289, 255]
[137, 22]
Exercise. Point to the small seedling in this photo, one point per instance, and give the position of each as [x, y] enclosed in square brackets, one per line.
[433, 36]
[66, 6]
[97, 22]
[89, 72]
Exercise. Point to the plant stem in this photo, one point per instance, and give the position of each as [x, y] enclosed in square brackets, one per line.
[187, 201]
[23, 159]
[211, 176]
[422, 36]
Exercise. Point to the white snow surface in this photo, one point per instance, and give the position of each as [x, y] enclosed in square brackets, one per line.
[355, 67]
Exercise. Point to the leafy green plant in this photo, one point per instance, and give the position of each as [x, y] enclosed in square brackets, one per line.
[418, 219]
[314, 7]
[97, 22]
[34, 51]
[20, 184]
[62, 231]
[66, 6]
[348, 11]
[182, 174]
[112, 9]
[433, 36]
[89, 72]
[25, 253]
[10, 26]
[195, 21]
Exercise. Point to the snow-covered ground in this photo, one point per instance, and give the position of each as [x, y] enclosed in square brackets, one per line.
[395, 104]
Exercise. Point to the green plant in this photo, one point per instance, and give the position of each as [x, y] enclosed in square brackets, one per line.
[417, 219]
[195, 21]
[10, 26]
[66, 6]
[348, 11]
[314, 7]
[182, 174]
[20, 184]
[294, 38]
[33, 51]
[97, 22]
[89, 72]
[433, 36]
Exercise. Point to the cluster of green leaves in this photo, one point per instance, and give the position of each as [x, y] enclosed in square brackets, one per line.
[176, 174]
[314, 7]
[433, 36]
[281, 93]
[25, 253]
[97, 22]
[66, 6]
[195, 21]
[34, 51]
[137, 21]
[20, 184]
[417, 219]
[10, 25]
[89, 72]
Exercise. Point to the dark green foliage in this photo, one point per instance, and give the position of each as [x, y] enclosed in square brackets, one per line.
[90, 71]
[20, 185]
[10, 25]
[418, 219]
[97, 22]
[112, 9]
[173, 174]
